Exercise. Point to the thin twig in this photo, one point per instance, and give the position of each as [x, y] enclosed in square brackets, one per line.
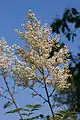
[51, 92]
[37, 93]
[6, 97]
[13, 100]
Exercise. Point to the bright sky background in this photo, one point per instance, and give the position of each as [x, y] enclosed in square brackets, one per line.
[13, 13]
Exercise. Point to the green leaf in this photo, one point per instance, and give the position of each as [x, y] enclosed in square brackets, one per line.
[66, 114]
[41, 115]
[59, 114]
[77, 25]
[33, 94]
[13, 111]
[70, 113]
[65, 15]
[7, 104]
[74, 11]
[48, 117]
[34, 118]
[29, 106]
[34, 109]
[37, 106]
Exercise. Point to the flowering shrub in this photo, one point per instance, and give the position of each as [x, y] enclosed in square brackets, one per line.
[36, 54]
[39, 44]
[35, 63]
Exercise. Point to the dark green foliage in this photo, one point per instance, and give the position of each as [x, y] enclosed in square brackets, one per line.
[39, 117]
[65, 115]
[71, 17]
[29, 112]
[77, 24]
[74, 11]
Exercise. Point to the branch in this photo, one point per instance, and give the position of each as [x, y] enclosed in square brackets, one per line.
[51, 92]
[6, 97]
[47, 94]
[37, 93]
[13, 100]
[49, 101]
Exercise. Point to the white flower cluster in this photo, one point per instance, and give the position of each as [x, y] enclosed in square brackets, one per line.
[23, 74]
[10, 65]
[61, 78]
[6, 56]
[39, 44]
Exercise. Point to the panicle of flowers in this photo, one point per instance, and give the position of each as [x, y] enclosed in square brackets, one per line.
[61, 77]
[10, 65]
[22, 73]
[6, 56]
[39, 44]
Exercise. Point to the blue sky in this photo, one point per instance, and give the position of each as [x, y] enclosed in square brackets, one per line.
[13, 13]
